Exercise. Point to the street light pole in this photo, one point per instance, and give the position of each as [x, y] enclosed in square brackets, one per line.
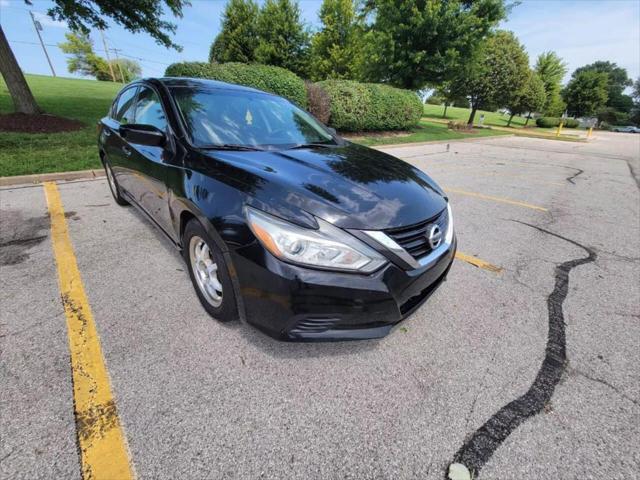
[38, 27]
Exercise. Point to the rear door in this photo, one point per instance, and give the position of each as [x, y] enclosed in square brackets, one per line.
[115, 146]
[148, 186]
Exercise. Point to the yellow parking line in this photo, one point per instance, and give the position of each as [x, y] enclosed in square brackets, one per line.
[496, 199]
[103, 450]
[478, 263]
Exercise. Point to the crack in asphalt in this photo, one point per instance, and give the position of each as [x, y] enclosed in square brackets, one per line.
[634, 174]
[575, 371]
[479, 448]
[573, 177]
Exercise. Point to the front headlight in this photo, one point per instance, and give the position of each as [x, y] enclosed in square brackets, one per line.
[327, 247]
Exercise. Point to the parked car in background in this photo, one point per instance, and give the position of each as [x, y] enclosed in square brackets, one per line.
[281, 222]
[627, 129]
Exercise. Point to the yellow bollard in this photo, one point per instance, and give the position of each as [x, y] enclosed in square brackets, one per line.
[589, 132]
[559, 130]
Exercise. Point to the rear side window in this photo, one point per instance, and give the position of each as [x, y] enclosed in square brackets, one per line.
[149, 109]
[123, 111]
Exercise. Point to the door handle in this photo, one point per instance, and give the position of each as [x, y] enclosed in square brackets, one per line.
[127, 151]
[107, 133]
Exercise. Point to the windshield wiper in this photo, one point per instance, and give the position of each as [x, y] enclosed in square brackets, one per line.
[233, 146]
[313, 145]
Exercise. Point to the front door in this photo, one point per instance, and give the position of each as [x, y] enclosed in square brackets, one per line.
[148, 185]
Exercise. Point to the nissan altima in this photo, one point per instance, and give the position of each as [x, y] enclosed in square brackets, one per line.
[281, 222]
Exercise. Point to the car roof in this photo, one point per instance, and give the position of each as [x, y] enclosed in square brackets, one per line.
[201, 82]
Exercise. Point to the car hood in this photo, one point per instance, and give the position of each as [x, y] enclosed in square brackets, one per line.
[348, 185]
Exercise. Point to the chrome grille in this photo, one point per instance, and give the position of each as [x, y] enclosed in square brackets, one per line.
[414, 237]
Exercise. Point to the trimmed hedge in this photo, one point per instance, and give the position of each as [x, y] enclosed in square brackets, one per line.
[275, 80]
[552, 122]
[571, 123]
[371, 106]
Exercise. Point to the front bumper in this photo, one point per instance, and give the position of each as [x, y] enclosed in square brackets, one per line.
[289, 302]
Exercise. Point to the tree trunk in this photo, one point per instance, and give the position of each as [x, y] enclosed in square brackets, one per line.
[509, 122]
[528, 118]
[446, 105]
[22, 97]
[472, 117]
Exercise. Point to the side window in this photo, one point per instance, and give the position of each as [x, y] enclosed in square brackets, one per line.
[149, 109]
[123, 112]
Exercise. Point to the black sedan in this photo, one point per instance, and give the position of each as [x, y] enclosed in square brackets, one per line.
[281, 223]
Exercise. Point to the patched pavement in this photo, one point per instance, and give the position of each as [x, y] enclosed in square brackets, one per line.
[475, 375]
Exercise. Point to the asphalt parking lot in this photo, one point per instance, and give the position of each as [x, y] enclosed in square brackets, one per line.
[547, 320]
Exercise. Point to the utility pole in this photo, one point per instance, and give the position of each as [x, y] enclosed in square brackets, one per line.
[106, 51]
[116, 50]
[38, 27]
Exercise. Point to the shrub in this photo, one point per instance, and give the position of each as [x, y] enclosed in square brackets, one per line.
[435, 100]
[552, 122]
[263, 77]
[371, 106]
[188, 69]
[318, 101]
[570, 123]
[547, 122]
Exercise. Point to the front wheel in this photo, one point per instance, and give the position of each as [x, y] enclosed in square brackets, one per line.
[113, 185]
[209, 273]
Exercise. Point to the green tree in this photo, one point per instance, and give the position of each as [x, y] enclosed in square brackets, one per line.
[586, 93]
[551, 69]
[335, 48]
[531, 98]
[635, 111]
[414, 43]
[134, 15]
[282, 38]
[83, 59]
[496, 74]
[238, 39]
[450, 96]
[618, 80]
[123, 68]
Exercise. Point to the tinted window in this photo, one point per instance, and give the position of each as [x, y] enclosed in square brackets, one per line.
[218, 116]
[149, 109]
[124, 108]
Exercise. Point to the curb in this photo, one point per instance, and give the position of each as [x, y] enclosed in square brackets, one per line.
[50, 177]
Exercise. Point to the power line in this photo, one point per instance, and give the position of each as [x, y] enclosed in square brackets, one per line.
[95, 49]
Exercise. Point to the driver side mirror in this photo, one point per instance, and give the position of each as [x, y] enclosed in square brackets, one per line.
[143, 134]
[332, 131]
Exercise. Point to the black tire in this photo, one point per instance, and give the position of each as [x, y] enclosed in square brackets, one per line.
[227, 310]
[113, 184]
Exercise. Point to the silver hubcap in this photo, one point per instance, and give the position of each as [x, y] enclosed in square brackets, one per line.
[112, 181]
[205, 270]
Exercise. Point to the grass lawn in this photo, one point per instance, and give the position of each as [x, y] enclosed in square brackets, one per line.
[425, 132]
[462, 115]
[84, 100]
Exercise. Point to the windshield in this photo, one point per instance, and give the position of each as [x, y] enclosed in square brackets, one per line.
[218, 117]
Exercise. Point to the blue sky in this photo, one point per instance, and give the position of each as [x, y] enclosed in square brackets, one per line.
[580, 31]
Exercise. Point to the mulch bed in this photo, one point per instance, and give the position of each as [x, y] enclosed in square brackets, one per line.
[45, 123]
